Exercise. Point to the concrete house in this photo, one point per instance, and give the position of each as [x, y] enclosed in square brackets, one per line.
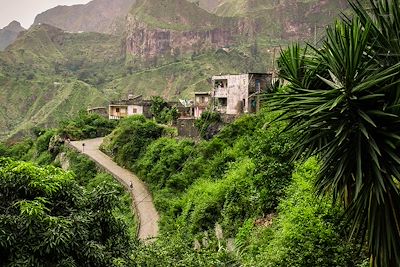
[134, 105]
[202, 101]
[237, 94]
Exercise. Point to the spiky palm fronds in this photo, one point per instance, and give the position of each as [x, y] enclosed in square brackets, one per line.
[342, 100]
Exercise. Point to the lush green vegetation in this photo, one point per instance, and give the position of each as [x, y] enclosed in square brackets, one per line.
[346, 103]
[86, 126]
[209, 124]
[308, 231]
[47, 219]
[132, 136]
[235, 198]
[212, 192]
[162, 113]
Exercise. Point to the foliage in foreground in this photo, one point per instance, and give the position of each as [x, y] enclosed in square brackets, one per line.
[46, 219]
[307, 232]
[346, 98]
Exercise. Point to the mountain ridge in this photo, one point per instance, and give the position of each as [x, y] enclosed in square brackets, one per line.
[9, 34]
[101, 16]
[168, 48]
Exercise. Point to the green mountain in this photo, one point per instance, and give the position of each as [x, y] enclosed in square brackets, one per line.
[102, 16]
[9, 34]
[47, 75]
[165, 47]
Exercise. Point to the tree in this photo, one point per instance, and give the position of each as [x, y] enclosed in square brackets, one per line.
[47, 219]
[162, 112]
[343, 103]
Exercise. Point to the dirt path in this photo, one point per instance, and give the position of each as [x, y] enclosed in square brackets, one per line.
[144, 206]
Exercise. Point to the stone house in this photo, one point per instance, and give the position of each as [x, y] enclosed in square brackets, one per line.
[134, 105]
[237, 94]
[202, 101]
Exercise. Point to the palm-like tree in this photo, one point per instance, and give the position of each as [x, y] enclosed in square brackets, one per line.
[343, 100]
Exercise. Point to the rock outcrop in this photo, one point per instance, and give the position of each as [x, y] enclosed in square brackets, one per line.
[165, 28]
[174, 27]
[9, 34]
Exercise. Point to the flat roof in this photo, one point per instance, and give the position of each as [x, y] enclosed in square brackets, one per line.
[247, 73]
[201, 93]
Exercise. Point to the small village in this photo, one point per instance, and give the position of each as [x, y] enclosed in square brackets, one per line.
[229, 95]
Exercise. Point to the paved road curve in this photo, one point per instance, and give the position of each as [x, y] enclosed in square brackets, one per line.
[144, 206]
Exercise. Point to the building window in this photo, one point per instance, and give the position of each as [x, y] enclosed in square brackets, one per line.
[223, 102]
[221, 83]
[134, 110]
[117, 110]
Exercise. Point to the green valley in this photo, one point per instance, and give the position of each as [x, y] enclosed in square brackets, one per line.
[48, 74]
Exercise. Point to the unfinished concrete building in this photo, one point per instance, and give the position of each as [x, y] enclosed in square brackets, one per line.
[237, 94]
[202, 101]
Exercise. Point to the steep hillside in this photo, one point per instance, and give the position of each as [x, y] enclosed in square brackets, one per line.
[96, 16]
[48, 75]
[176, 27]
[9, 34]
[168, 47]
[173, 27]
[181, 78]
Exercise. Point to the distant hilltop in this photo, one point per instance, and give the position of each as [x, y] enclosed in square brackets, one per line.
[9, 34]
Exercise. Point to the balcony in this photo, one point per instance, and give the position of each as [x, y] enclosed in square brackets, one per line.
[117, 117]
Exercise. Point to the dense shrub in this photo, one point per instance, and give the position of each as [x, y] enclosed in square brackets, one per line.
[47, 219]
[84, 168]
[86, 125]
[208, 202]
[161, 159]
[209, 124]
[307, 232]
[177, 250]
[162, 112]
[132, 136]
[20, 149]
[43, 140]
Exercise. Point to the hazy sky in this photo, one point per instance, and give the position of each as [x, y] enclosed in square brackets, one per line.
[25, 11]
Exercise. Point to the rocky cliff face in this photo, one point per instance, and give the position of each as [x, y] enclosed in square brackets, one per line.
[175, 27]
[9, 34]
[146, 43]
[101, 16]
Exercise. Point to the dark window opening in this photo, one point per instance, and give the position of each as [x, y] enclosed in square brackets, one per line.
[223, 102]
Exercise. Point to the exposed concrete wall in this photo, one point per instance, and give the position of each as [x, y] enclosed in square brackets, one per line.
[186, 127]
[201, 102]
[236, 92]
[135, 110]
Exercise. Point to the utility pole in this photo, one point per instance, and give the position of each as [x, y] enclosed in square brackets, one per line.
[315, 34]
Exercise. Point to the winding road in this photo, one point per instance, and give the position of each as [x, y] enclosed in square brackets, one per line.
[142, 200]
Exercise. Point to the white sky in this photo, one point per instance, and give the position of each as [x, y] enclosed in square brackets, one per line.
[25, 11]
